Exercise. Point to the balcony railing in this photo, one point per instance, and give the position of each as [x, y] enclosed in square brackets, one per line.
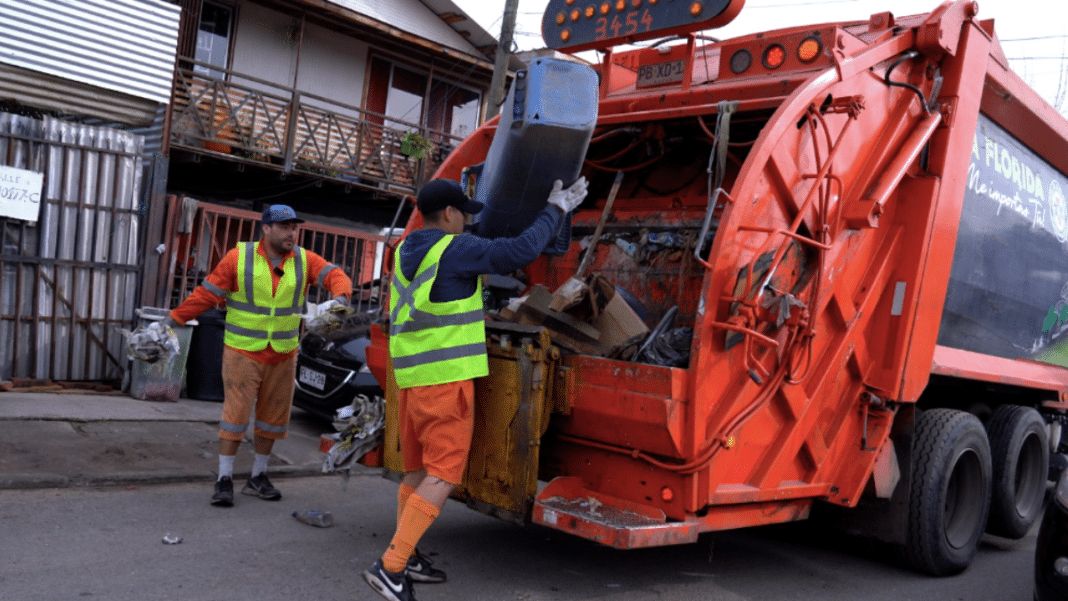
[257, 121]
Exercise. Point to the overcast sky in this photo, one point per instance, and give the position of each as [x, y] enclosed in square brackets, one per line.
[1038, 61]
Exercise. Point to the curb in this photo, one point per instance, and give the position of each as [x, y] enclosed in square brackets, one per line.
[39, 481]
[33, 481]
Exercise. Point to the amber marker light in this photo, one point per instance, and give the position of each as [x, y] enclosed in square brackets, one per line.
[570, 2]
[774, 56]
[636, 3]
[590, 11]
[565, 35]
[621, 5]
[575, 14]
[605, 8]
[695, 8]
[561, 18]
[810, 49]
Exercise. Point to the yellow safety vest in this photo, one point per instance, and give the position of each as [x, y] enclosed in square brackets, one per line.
[430, 342]
[257, 315]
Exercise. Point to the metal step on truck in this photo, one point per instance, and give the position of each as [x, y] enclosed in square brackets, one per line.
[818, 266]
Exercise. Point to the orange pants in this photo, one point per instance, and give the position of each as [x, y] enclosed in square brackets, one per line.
[250, 384]
[436, 423]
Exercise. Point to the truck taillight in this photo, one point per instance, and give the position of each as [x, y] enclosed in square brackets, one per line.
[774, 55]
[740, 61]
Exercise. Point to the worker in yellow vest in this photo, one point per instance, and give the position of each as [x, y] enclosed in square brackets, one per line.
[438, 346]
[264, 285]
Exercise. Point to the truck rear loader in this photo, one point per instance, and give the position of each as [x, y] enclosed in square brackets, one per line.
[848, 241]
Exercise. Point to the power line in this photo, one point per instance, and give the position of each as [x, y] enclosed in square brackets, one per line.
[1044, 37]
[1037, 58]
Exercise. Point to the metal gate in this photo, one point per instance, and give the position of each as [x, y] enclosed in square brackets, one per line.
[198, 235]
[69, 281]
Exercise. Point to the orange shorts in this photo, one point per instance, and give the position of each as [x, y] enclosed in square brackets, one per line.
[250, 384]
[436, 423]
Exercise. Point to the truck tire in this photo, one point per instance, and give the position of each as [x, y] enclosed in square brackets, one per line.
[949, 498]
[1020, 454]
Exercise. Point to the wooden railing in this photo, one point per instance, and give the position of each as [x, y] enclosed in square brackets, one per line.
[253, 120]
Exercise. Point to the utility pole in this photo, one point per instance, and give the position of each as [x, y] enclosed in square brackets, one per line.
[500, 66]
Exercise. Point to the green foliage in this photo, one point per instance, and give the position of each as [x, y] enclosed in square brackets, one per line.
[414, 145]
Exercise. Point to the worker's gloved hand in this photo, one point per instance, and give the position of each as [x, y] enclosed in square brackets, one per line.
[331, 304]
[566, 199]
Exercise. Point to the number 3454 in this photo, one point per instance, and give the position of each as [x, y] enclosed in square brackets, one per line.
[626, 26]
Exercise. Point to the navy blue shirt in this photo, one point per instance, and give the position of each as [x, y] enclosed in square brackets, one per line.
[469, 256]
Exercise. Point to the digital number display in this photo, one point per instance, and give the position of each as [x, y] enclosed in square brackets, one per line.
[575, 25]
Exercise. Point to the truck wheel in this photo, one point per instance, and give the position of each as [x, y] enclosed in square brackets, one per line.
[950, 491]
[1020, 454]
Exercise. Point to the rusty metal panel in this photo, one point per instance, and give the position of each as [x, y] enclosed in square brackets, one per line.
[511, 406]
[126, 46]
[70, 279]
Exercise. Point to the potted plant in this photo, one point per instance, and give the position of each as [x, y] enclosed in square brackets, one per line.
[414, 145]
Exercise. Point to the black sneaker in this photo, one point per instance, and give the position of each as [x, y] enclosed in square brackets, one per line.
[224, 492]
[420, 569]
[260, 486]
[395, 587]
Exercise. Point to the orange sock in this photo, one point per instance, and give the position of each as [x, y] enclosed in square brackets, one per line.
[403, 493]
[419, 514]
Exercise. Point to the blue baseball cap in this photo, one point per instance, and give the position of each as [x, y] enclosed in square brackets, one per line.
[280, 213]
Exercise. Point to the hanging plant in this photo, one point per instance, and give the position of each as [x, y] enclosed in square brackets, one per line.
[414, 145]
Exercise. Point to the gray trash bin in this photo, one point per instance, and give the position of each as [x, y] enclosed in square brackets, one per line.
[162, 380]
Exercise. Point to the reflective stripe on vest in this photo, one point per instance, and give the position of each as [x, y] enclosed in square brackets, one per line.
[429, 342]
[257, 315]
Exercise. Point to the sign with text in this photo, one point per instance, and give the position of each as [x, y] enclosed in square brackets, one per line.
[20, 193]
[1010, 264]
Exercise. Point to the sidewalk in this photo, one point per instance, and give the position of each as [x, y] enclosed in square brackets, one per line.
[56, 440]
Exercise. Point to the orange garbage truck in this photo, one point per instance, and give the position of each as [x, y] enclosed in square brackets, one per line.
[818, 267]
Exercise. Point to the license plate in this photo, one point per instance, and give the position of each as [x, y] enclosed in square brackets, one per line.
[312, 378]
[660, 73]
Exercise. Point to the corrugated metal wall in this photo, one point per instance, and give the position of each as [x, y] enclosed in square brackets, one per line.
[123, 45]
[69, 281]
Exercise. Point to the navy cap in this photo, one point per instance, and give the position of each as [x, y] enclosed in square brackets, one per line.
[280, 213]
[441, 193]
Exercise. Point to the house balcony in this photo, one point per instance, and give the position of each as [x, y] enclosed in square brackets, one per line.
[249, 120]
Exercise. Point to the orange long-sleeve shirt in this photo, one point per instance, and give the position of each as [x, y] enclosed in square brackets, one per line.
[225, 277]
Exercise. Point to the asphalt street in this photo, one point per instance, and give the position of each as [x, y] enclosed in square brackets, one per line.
[91, 485]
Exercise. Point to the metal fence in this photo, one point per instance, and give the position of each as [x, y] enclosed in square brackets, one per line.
[69, 281]
[200, 234]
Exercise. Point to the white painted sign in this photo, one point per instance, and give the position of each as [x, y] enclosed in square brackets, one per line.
[20, 193]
